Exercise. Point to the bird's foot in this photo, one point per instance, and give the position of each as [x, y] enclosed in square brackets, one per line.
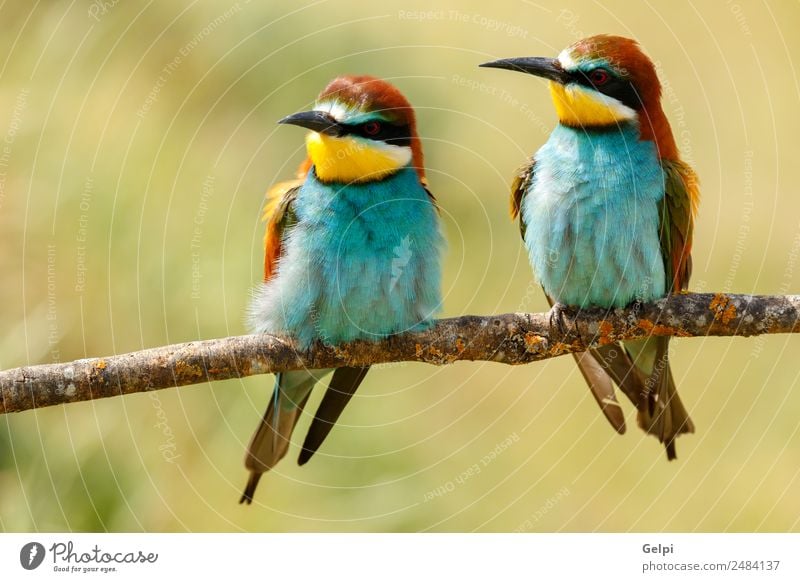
[636, 306]
[556, 318]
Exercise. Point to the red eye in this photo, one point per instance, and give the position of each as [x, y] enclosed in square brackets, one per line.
[599, 77]
[372, 128]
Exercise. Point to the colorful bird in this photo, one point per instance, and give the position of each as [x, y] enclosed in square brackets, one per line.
[352, 251]
[606, 210]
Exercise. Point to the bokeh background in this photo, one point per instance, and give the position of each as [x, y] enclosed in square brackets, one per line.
[137, 141]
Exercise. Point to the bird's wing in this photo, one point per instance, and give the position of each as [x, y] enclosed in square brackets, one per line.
[590, 364]
[681, 195]
[424, 183]
[279, 216]
[661, 412]
[522, 180]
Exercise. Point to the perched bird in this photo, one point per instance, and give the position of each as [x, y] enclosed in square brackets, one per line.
[606, 209]
[352, 251]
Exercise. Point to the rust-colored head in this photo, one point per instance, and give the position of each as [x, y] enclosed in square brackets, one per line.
[363, 129]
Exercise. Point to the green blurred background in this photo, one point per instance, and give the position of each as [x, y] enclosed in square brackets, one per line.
[138, 140]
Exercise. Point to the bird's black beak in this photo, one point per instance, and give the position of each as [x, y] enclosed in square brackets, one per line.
[539, 66]
[315, 120]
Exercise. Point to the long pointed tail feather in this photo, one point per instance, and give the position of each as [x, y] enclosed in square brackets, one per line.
[271, 439]
[663, 414]
[343, 385]
[602, 389]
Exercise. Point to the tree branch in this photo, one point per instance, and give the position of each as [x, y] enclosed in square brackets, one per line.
[515, 338]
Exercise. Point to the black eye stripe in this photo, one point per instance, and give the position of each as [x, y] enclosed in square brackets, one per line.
[616, 87]
[399, 135]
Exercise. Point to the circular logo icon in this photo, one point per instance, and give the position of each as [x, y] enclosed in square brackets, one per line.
[31, 555]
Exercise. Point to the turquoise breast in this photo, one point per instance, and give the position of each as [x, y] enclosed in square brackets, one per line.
[592, 217]
[363, 261]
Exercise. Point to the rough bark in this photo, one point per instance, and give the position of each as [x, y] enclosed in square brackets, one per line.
[514, 338]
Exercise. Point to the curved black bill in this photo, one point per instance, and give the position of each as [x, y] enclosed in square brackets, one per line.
[315, 120]
[539, 66]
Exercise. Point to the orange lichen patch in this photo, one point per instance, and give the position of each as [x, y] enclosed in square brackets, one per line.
[657, 329]
[606, 329]
[722, 307]
[533, 342]
[460, 345]
[185, 370]
[434, 351]
[717, 302]
[675, 331]
[418, 350]
[729, 313]
[560, 348]
[96, 374]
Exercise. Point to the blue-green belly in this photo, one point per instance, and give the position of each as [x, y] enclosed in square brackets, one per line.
[592, 218]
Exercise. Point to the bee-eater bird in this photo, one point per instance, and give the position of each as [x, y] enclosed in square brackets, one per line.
[352, 251]
[606, 210]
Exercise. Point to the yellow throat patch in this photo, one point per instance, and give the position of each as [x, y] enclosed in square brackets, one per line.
[347, 159]
[577, 106]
